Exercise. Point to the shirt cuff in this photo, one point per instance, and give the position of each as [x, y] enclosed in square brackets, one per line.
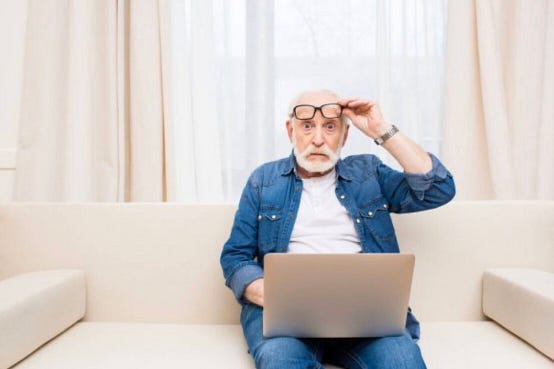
[243, 277]
[422, 182]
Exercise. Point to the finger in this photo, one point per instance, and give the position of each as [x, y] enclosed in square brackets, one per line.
[358, 103]
[346, 101]
[361, 102]
[350, 100]
[350, 115]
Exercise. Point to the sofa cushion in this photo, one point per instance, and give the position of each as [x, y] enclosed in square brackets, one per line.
[522, 300]
[34, 307]
[93, 345]
[477, 345]
[165, 346]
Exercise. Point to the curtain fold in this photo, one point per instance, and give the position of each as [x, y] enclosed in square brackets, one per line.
[91, 123]
[499, 120]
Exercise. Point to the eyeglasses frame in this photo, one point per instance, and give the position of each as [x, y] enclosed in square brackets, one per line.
[316, 108]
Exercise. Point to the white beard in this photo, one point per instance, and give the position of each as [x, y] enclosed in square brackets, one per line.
[316, 166]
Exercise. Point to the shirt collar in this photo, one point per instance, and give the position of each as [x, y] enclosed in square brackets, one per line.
[290, 167]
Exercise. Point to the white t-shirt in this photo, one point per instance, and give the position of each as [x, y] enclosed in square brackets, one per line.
[323, 225]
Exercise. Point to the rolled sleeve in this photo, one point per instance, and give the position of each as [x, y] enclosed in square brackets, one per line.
[422, 182]
[243, 276]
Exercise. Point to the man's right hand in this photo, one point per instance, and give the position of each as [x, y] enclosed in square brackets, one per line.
[254, 292]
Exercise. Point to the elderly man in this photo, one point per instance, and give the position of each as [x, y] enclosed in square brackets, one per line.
[315, 202]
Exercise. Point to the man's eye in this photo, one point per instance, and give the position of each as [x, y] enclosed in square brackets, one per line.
[330, 126]
[307, 126]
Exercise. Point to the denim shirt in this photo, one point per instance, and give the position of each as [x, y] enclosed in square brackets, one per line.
[366, 187]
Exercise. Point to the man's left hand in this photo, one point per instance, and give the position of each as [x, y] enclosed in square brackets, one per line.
[366, 116]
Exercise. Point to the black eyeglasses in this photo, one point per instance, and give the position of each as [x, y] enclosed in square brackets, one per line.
[305, 111]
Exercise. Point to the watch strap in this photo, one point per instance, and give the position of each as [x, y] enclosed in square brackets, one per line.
[388, 134]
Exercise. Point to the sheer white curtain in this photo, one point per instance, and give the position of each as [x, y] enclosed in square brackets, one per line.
[234, 66]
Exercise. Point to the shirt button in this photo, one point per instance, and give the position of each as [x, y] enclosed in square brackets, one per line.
[273, 217]
[358, 220]
[259, 217]
[291, 216]
[370, 213]
[297, 188]
[386, 206]
[342, 197]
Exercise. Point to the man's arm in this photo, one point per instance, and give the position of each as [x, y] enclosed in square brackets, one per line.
[409, 155]
[367, 117]
[425, 183]
[237, 259]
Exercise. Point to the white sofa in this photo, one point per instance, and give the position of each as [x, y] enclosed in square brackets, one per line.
[139, 286]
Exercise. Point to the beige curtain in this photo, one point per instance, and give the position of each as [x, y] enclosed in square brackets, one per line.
[499, 113]
[92, 109]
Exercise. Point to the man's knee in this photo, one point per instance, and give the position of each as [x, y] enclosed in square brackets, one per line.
[397, 353]
[410, 357]
[383, 353]
[275, 351]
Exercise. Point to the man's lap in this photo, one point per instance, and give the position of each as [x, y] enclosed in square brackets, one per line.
[382, 352]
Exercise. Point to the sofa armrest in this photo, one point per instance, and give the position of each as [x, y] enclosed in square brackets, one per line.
[35, 307]
[522, 301]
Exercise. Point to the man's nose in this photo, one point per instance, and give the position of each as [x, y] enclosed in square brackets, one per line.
[318, 139]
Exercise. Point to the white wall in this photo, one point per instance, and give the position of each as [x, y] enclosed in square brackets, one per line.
[12, 35]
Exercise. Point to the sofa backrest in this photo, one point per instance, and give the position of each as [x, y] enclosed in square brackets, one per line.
[149, 262]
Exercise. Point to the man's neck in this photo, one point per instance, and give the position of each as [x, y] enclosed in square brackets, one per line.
[304, 174]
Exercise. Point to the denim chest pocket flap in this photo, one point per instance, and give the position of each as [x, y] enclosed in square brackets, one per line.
[377, 218]
[269, 223]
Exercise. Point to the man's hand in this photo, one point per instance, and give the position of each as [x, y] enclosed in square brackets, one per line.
[254, 292]
[366, 116]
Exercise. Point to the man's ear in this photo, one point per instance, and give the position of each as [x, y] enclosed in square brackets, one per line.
[289, 129]
[345, 134]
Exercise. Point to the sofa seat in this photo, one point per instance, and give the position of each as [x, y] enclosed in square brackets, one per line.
[142, 345]
[165, 346]
[477, 344]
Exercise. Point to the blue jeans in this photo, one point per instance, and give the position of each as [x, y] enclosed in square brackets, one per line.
[400, 352]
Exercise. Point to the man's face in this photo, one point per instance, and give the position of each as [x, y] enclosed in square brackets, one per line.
[317, 141]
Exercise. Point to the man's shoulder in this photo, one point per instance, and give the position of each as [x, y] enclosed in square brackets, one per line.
[355, 165]
[362, 158]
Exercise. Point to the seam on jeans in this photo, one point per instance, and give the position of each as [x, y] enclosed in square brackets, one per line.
[354, 358]
[250, 310]
[315, 352]
[314, 356]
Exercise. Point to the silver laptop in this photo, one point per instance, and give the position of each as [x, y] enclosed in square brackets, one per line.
[336, 295]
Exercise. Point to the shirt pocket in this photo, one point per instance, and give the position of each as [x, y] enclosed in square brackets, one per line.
[269, 222]
[376, 219]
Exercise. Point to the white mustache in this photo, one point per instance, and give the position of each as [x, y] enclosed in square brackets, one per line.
[323, 150]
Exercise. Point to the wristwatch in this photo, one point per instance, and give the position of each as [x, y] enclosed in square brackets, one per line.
[388, 134]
